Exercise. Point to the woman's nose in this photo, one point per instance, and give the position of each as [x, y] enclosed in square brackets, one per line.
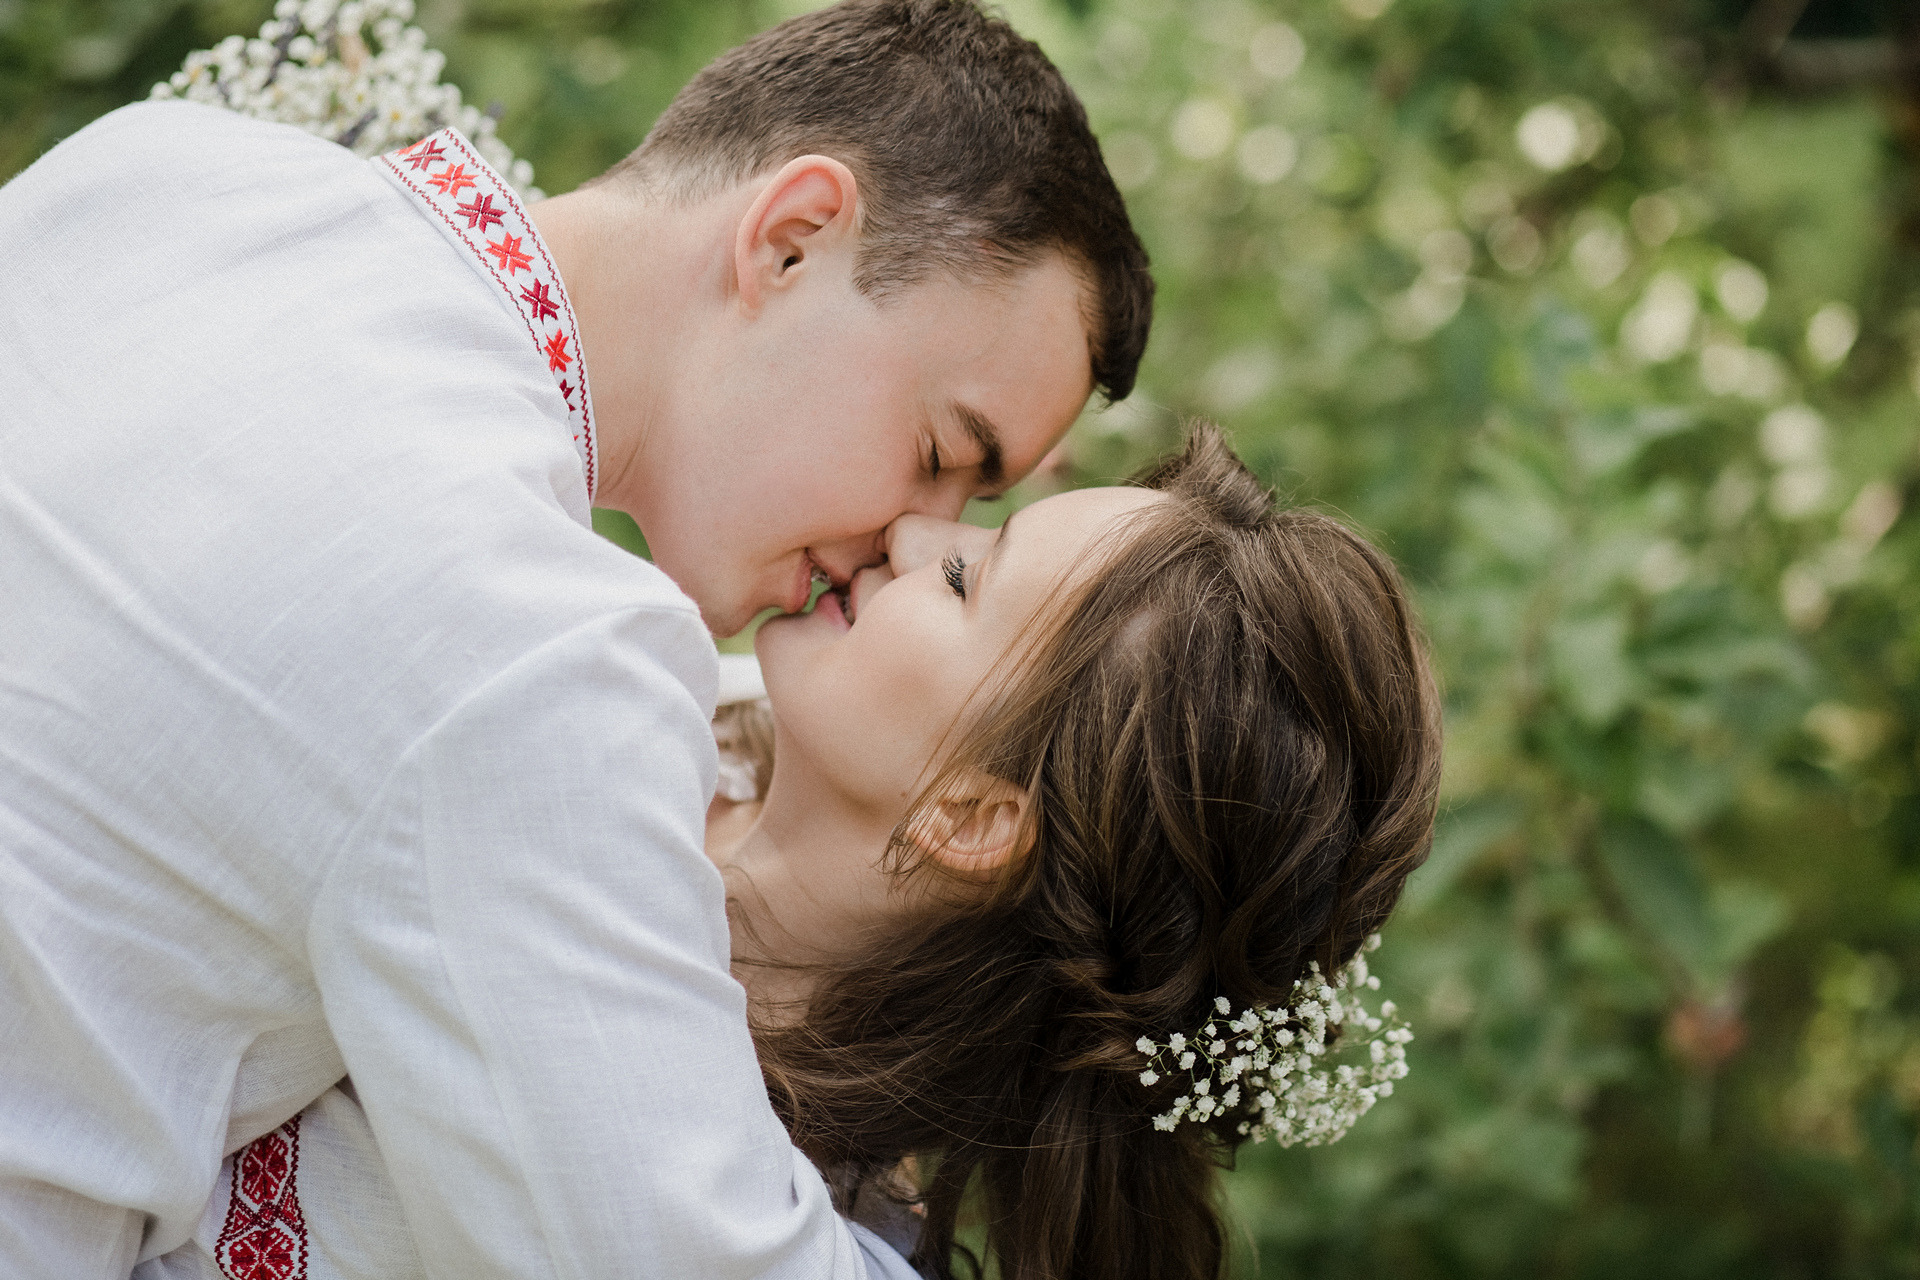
[913, 541]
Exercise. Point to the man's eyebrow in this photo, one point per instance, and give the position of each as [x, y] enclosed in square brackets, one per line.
[993, 468]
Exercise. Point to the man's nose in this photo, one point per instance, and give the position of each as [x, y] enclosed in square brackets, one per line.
[844, 557]
[915, 540]
[945, 502]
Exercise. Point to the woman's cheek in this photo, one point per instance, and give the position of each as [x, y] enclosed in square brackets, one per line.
[902, 702]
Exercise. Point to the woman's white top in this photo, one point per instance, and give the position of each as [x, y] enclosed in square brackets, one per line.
[332, 740]
[740, 679]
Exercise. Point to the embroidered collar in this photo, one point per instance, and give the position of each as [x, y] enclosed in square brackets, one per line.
[468, 201]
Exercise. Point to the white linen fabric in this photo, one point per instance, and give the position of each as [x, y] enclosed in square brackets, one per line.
[332, 739]
[349, 1212]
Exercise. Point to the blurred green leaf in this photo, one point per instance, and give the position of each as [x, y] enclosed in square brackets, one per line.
[1460, 836]
[1656, 878]
[618, 528]
[1591, 668]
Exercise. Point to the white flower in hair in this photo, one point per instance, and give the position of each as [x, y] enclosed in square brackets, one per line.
[1290, 1097]
[350, 71]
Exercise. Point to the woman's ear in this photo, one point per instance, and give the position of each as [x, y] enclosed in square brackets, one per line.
[978, 829]
[806, 209]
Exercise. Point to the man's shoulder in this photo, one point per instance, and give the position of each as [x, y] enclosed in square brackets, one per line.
[172, 190]
[244, 281]
[632, 604]
[599, 640]
[536, 587]
[637, 585]
[184, 137]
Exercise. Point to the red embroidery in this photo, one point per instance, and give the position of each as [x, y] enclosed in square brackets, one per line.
[265, 1236]
[506, 252]
[480, 212]
[453, 181]
[424, 154]
[541, 303]
[536, 296]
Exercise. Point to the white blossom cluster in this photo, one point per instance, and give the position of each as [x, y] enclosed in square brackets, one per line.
[1271, 1062]
[350, 71]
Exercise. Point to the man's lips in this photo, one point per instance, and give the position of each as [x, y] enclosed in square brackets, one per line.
[810, 572]
[843, 596]
[802, 589]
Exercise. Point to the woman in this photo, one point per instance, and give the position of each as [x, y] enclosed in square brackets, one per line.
[1051, 800]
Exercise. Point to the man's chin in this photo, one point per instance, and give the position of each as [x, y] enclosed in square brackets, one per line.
[728, 621]
[726, 618]
[727, 609]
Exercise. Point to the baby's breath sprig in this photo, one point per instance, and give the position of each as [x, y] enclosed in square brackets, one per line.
[1268, 1062]
[313, 67]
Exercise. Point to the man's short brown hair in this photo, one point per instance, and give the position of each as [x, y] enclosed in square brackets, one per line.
[973, 156]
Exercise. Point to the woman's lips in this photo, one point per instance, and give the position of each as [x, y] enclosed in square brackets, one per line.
[829, 604]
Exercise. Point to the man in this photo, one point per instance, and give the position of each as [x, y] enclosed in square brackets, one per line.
[332, 741]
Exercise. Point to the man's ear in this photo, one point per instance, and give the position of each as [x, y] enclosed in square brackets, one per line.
[979, 828]
[809, 207]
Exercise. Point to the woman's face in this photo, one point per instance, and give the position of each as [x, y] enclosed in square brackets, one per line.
[864, 691]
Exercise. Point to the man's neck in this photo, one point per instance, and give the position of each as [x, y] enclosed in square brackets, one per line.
[641, 275]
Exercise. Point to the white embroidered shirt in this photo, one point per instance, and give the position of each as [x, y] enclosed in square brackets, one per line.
[332, 739]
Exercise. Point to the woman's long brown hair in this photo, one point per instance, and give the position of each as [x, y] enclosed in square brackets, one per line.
[1231, 743]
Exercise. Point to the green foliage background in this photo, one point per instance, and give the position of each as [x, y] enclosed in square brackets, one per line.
[1613, 338]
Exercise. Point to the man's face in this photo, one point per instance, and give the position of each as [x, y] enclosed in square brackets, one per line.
[799, 433]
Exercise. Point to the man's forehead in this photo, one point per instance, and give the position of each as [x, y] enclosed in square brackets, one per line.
[1014, 365]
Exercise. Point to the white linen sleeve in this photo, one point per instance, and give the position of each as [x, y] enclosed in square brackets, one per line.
[523, 954]
[350, 1225]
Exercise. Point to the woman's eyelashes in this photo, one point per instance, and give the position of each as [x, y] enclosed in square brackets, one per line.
[933, 462]
[955, 570]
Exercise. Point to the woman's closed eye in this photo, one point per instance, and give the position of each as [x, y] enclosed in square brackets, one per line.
[955, 570]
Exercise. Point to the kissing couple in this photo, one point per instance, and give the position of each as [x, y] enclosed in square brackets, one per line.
[361, 914]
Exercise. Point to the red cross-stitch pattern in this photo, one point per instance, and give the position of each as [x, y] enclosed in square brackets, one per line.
[424, 154]
[481, 213]
[506, 252]
[453, 181]
[540, 301]
[265, 1236]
